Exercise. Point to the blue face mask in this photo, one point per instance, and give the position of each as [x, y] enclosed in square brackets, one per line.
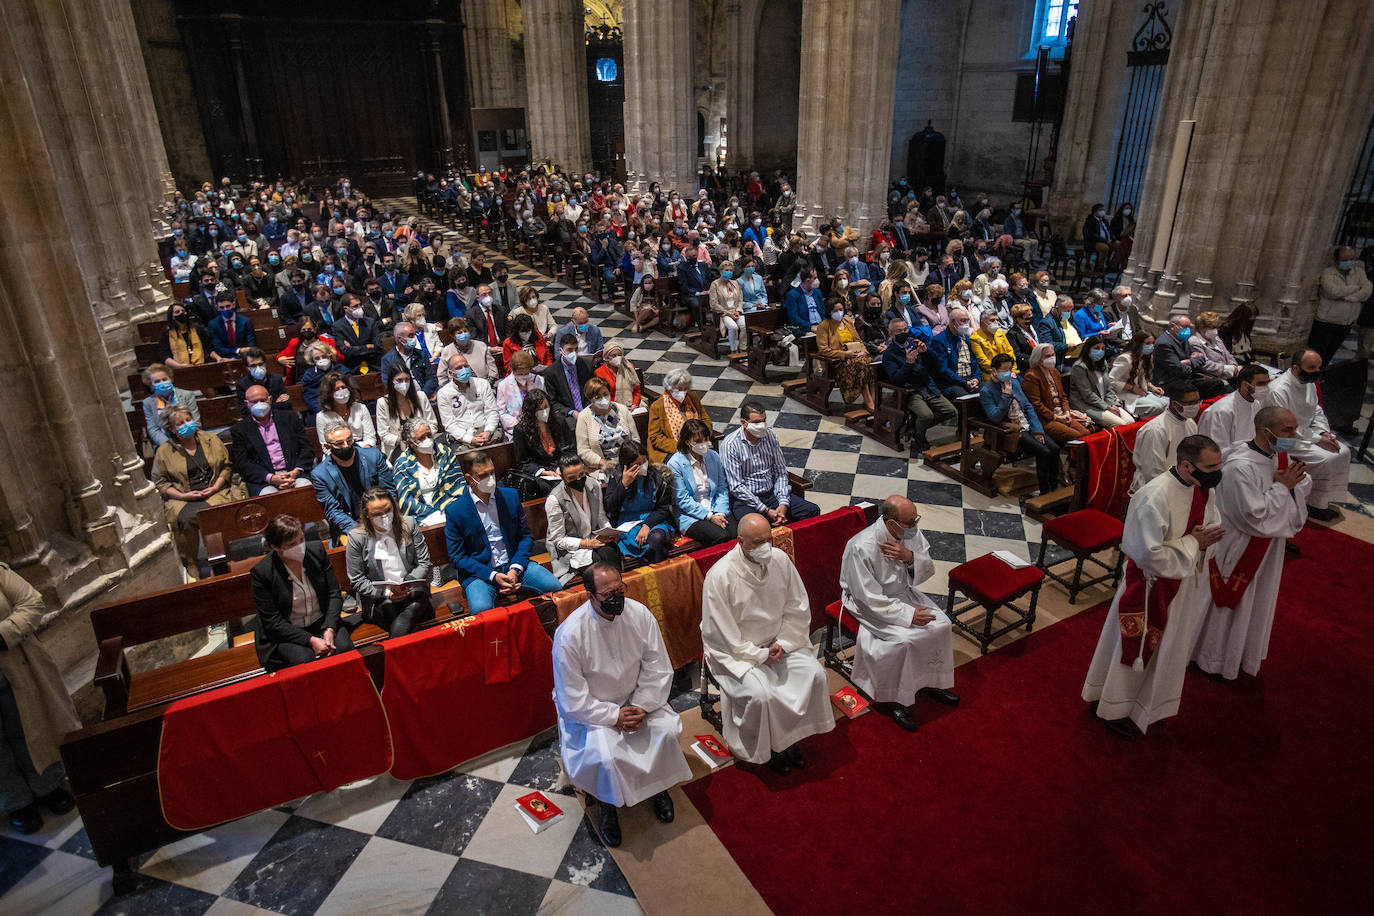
[1096, 354]
[227, 315]
[1004, 375]
[1147, 349]
[463, 375]
[1346, 265]
[187, 429]
[1097, 310]
[1285, 443]
[462, 338]
[164, 389]
[906, 298]
[582, 328]
[726, 274]
[1185, 333]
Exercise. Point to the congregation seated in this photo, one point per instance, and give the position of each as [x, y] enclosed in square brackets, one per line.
[467, 407]
[1097, 233]
[909, 364]
[270, 447]
[837, 339]
[341, 477]
[410, 355]
[602, 426]
[675, 406]
[426, 473]
[1044, 387]
[954, 364]
[297, 598]
[905, 644]
[159, 379]
[511, 390]
[1132, 377]
[755, 633]
[1174, 362]
[1004, 401]
[388, 565]
[753, 291]
[339, 406]
[1208, 351]
[185, 342]
[484, 362]
[192, 472]
[540, 438]
[1090, 391]
[756, 471]
[402, 401]
[575, 512]
[489, 539]
[1089, 320]
[988, 341]
[580, 328]
[1157, 441]
[701, 491]
[255, 373]
[357, 336]
[642, 494]
[1326, 457]
[231, 334]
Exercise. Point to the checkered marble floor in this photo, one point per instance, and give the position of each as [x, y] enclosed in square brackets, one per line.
[453, 843]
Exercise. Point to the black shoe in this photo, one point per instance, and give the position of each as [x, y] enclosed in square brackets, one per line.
[902, 716]
[779, 764]
[610, 825]
[1123, 728]
[940, 695]
[794, 757]
[58, 801]
[1323, 515]
[663, 807]
[27, 819]
[918, 447]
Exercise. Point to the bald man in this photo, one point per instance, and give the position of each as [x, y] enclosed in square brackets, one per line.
[1261, 499]
[755, 627]
[905, 644]
[1327, 458]
[271, 448]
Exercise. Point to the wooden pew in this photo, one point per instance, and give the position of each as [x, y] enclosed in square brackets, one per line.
[145, 354]
[247, 518]
[887, 422]
[757, 326]
[207, 378]
[151, 331]
[818, 379]
[980, 451]
[217, 413]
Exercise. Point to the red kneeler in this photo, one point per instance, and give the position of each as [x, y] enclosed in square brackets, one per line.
[1085, 534]
[991, 584]
[830, 652]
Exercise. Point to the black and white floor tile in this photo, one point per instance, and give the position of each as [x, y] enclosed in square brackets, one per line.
[453, 843]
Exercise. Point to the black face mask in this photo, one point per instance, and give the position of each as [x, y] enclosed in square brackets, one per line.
[181, 318]
[1308, 378]
[901, 339]
[346, 454]
[579, 484]
[613, 605]
[1207, 479]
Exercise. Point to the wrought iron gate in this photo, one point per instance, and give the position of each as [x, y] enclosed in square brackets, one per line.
[1146, 62]
[1356, 226]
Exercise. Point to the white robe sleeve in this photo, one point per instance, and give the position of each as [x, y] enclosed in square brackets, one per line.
[794, 630]
[1260, 507]
[655, 671]
[719, 628]
[1146, 540]
[1151, 447]
[571, 694]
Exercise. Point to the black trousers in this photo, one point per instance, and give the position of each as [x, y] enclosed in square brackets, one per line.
[1046, 459]
[709, 533]
[289, 653]
[1326, 338]
[401, 617]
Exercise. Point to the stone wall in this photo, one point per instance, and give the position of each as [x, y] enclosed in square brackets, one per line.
[164, 55]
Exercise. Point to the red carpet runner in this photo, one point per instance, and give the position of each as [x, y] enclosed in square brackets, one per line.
[1256, 798]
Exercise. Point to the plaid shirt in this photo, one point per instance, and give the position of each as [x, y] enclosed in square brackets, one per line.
[754, 468]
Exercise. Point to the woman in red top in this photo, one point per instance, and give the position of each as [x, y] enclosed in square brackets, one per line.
[305, 336]
[524, 336]
[619, 375]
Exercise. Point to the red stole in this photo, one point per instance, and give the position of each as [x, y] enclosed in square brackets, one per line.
[1227, 591]
[1144, 607]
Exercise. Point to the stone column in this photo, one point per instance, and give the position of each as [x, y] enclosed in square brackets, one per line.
[660, 107]
[742, 24]
[434, 46]
[78, 518]
[490, 72]
[1279, 93]
[556, 64]
[848, 47]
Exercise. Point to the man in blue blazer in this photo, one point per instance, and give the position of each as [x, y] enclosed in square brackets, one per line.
[230, 333]
[956, 370]
[804, 304]
[489, 541]
[997, 396]
[344, 475]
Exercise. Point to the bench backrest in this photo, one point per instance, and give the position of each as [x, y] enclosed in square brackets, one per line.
[181, 609]
[217, 412]
[151, 331]
[204, 378]
[245, 518]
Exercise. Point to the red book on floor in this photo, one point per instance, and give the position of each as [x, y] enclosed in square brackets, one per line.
[538, 811]
[848, 701]
[712, 745]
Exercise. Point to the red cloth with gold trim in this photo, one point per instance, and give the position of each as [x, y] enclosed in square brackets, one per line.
[1144, 607]
[1228, 590]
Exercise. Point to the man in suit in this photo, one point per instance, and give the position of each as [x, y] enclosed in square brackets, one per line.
[271, 448]
[1057, 329]
[1097, 233]
[563, 380]
[586, 335]
[803, 305]
[956, 369]
[231, 335]
[692, 278]
[256, 364]
[861, 274]
[407, 355]
[289, 634]
[355, 334]
[343, 475]
[292, 301]
[486, 319]
[1173, 360]
[393, 282]
[489, 540]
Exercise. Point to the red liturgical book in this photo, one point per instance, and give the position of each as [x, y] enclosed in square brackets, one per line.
[539, 813]
[849, 702]
[711, 750]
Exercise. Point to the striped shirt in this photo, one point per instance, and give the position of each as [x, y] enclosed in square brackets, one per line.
[754, 468]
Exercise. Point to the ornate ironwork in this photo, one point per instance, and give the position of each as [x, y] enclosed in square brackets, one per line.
[1154, 37]
[605, 32]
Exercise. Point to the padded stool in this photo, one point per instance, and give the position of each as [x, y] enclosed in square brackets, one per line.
[1085, 534]
[991, 584]
[830, 652]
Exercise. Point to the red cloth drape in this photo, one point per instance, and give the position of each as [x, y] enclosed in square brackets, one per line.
[453, 693]
[1111, 468]
[233, 751]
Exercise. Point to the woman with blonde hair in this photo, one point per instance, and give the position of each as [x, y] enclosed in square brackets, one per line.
[1208, 351]
[727, 303]
[1044, 296]
[838, 339]
[193, 472]
[896, 273]
[528, 297]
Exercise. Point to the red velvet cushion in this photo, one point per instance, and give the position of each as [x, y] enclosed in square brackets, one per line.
[988, 580]
[850, 624]
[1088, 530]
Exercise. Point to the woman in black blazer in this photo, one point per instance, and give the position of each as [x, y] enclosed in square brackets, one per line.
[1022, 336]
[539, 439]
[297, 597]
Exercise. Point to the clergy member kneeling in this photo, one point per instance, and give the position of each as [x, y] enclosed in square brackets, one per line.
[1262, 499]
[755, 627]
[1137, 672]
[611, 677]
[905, 642]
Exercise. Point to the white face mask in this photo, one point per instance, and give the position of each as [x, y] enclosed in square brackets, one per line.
[1190, 412]
[1048, 362]
[425, 445]
[756, 429]
[486, 484]
[543, 415]
[761, 553]
[616, 361]
[602, 403]
[383, 522]
[701, 448]
[679, 394]
[836, 316]
[486, 300]
[522, 380]
[402, 387]
[341, 396]
[295, 554]
[323, 363]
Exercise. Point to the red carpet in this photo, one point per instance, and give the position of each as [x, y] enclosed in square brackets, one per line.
[1256, 798]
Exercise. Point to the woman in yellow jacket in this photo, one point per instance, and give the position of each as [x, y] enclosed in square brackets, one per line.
[988, 341]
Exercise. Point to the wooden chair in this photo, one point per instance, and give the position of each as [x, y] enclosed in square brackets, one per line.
[887, 422]
[757, 352]
[818, 380]
[990, 585]
[832, 655]
[982, 448]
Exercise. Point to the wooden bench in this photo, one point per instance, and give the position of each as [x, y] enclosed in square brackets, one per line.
[756, 355]
[207, 378]
[887, 422]
[818, 381]
[151, 331]
[247, 518]
[979, 451]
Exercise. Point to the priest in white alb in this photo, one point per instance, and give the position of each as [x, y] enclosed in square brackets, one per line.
[1158, 439]
[611, 677]
[1232, 419]
[755, 628]
[1262, 499]
[1136, 675]
[905, 643]
[1327, 458]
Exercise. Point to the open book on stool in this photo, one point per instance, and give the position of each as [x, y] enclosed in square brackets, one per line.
[849, 701]
[538, 812]
[712, 751]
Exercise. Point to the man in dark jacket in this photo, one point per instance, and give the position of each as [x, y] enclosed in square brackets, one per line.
[907, 362]
[271, 448]
[1173, 360]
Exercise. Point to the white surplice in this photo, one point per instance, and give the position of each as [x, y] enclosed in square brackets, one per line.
[1330, 471]
[1156, 539]
[893, 658]
[1251, 504]
[745, 607]
[600, 665]
[1156, 445]
[1230, 420]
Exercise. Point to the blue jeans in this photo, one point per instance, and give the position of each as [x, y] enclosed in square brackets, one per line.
[481, 594]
